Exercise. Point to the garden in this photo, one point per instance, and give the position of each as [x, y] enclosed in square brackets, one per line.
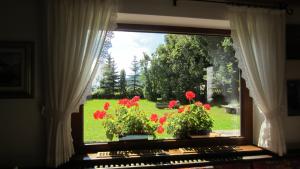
[150, 96]
[94, 130]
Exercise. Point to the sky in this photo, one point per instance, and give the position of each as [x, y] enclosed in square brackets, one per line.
[126, 45]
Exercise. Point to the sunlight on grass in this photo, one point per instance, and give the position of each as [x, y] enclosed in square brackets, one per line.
[95, 132]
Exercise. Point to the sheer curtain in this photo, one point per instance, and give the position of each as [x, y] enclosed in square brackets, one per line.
[259, 38]
[76, 33]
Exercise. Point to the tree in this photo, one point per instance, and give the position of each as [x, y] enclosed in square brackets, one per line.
[134, 81]
[147, 83]
[225, 68]
[107, 44]
[110, 77]
[103, 56]
[179, 65]
[123, 83]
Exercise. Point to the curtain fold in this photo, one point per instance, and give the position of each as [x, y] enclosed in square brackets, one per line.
[259, 40]
[76, 33]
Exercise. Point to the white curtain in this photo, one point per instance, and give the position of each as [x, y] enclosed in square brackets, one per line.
[259, 38]
[76, 33]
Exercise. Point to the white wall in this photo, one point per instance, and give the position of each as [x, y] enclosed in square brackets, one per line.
[21, 125]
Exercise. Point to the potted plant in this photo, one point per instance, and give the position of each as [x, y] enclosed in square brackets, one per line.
[192, 119]
[128, 121]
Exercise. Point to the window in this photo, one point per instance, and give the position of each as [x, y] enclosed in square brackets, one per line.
[202, 61]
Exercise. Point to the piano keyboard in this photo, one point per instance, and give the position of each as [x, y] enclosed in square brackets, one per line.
[179, 163]
[172, 158]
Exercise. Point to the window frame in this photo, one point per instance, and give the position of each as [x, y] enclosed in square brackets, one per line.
[246, 128]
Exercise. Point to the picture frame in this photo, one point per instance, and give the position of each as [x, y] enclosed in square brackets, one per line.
[292, 41]
[16, 69]
[293, 97]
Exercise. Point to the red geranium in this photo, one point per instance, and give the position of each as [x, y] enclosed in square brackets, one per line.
[160, 129]
[162, 120]
[206, 106]
[198, 103]
[99, 114]
[123, 101]
[135, 99]
[172, 103]
[181, 109]
[106, 105]
[190, 95]
[154, 117]
[132, 103]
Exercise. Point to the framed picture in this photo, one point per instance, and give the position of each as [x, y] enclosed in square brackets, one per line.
[292, 41]
[16, 69]
[293, 93]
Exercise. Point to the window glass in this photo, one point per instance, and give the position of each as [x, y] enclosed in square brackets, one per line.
[174, 76]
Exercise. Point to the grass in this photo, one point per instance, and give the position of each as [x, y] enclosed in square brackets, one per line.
[94, 130]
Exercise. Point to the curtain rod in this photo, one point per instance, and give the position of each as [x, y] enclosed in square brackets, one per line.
[280, 5]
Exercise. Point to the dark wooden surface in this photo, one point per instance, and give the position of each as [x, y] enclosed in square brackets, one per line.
[172, 29]
[171, 158]
[247, 114]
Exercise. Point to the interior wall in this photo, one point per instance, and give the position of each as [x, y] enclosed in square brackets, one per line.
[292, 123]
[21, 124]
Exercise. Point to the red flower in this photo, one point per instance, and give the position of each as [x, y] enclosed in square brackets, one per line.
[99, 114]
[181, 109]
[135, 99]
[123, 101]
[154, 117]
[190, 95]
[131, 103]
[198, 103]
[162, 120]
[106, 105]
[160, 129]
[96, 114]
[172, 103]
[135, 104]
[206, 106]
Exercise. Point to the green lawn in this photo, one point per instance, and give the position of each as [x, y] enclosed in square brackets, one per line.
[94, 130]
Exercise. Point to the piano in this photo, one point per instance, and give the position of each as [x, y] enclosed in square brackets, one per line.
[170, 158]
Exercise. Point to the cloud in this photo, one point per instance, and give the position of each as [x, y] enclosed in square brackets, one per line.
[126, 45]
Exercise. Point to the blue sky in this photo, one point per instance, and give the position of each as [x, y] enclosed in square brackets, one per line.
[126, 45]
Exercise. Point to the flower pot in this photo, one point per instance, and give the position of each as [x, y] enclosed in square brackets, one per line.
[199, 133]
[135, 137]
[192, 134]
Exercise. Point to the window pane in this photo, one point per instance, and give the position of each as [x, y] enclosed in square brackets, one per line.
[160, 68]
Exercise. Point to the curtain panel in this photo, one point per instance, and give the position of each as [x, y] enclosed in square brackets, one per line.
[259, 40]
[76, 30]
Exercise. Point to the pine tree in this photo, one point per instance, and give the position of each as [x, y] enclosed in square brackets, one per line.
[134, 81]
[110, 77]
[146, 78]
[123, 83]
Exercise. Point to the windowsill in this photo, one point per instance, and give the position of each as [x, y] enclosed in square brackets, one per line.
[212, 140]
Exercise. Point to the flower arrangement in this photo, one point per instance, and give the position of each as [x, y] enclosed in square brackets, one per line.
[189, 119]
[128, 119]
